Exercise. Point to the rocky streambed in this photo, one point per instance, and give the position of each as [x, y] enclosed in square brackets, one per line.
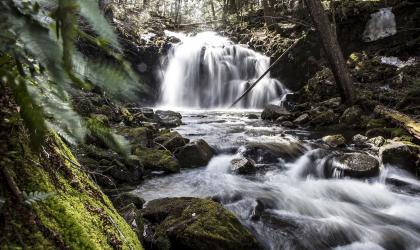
[291, 188]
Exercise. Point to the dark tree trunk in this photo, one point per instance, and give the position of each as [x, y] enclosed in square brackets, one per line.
[332, 50]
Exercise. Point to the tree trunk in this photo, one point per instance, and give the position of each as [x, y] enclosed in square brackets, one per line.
[332, 50]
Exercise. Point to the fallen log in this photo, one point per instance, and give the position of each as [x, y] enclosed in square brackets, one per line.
[286, 52]
[403, 120]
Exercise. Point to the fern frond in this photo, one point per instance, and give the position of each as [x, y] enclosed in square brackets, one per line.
[115, 142]
[89, 9]
[33, 197]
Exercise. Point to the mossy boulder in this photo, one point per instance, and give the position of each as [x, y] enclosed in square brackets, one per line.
[324, 118]
[352, 116]
[138, 136]
[123, 199]
[402, 154]
[334, 140]
[195, 154]
[170, 140]
[157, 160]
[193, 223]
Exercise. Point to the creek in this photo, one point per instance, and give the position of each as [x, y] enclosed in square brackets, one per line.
[292, 201]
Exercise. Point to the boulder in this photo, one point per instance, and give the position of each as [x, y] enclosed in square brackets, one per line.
[252, 116]
[124, 199]
[324, 118]
[359, 139]
[171, 140]
[334, 140]
[288, 124]
[351, 116]
[271, 152]
[243, 166]
[355, 165]
[157, 160]
[169, 119]
[194, 154]
[147, 112]
[404, 155]
[193, 223]
[377, 141]
[272, 112]
[302, 119]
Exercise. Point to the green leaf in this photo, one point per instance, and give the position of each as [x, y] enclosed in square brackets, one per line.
[33, 197]
[89, 9]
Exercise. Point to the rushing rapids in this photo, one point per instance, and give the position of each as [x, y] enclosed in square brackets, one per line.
[289, 203]
[209, 71]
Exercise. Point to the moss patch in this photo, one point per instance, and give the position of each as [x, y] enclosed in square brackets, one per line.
[77, 216]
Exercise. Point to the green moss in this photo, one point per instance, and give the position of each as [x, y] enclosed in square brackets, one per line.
[198, 224]
[78, 216]
[376, 123]
[157, 160]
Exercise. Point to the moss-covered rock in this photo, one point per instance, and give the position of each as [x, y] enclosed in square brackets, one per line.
[352, 117]
[192, 223]
[77, 215]
[157, 160]
[170, 140]
[123, 199]
[402, 154]
[334, 140]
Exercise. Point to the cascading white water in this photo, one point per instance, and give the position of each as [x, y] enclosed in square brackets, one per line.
[210, 71]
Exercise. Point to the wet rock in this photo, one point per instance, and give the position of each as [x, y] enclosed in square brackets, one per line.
[192, 223]
[168, 119]
[302, 119]
[126, 198]
[271, 152]
[404, 155]
[171, 140]
[334, 140]
[194, 154]
[125, 172]
[272, 112]
[243, 166]
[147, 112]
[359, 139]
[252, 116]
[351, 116]
[157, 160]
[377, 141]
[288, 124]
[355, 165]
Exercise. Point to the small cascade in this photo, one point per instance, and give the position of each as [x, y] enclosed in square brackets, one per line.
[381, 24]
[210, 71]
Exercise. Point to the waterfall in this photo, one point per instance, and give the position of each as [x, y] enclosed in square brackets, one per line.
[210, 71]
[381, 24]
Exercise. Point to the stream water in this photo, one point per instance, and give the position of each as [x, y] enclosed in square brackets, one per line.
[288, 203]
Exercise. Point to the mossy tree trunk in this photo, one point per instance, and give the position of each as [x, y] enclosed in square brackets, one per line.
[332, 50]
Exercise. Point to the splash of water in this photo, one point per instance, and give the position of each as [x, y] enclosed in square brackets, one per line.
[210, 71]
